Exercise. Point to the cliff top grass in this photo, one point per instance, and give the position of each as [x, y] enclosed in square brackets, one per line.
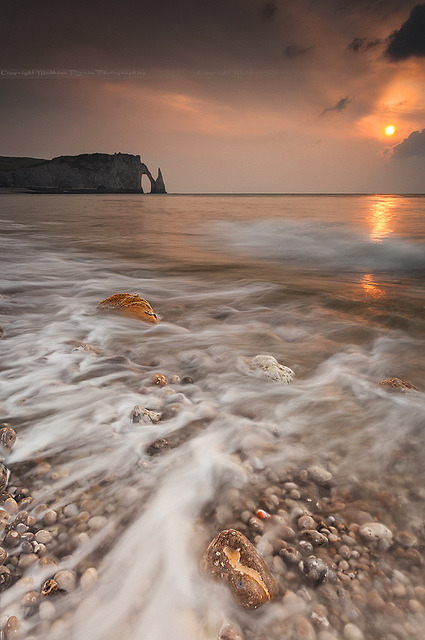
[9, 164]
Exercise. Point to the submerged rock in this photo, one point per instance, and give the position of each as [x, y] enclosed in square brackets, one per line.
[396, 384]
[7, 438]
[319, 475]
[263, 366]
[157, 446]
[140, 414]
[374, 531]
[232, 558]
[129, 304]
[4, 476]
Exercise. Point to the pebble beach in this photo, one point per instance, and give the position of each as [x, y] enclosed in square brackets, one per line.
[266, 387]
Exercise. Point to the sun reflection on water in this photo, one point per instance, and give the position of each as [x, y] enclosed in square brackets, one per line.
[370, 287]
[380, 217]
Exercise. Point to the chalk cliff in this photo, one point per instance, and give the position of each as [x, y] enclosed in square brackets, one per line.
[93, 171]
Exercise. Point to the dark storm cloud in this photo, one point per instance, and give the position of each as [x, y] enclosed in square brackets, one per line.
[358, 45]
[293, 50]
[409, 40]
[269, 11]
[339, 106]
[414, 145]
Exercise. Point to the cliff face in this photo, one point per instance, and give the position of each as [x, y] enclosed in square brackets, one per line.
[101, 171]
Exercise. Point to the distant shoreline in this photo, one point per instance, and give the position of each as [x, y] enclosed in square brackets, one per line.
[95, 192]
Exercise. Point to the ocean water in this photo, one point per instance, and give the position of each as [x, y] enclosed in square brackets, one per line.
[331, 286]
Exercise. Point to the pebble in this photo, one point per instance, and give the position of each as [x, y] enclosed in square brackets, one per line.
[415, 606]
[157, 446]
[7, 438]
[406, 539]
[286, 533]
[5, 578]
[319, 475]
[97, 522]
[12, 628]
[375, 531]
[89, 578]
[233, 559]
[140, 414]
[46, 610]
[306, 522]
[187, 380]
[4, 517]
[11, 506]
[27, 559]
[65, 579]
[30, 599]
[70, 510]
[3, 555]
[314, 569]
[4, 476]
[50, 517]
[264, 366]
[315, 537]
[43, 536]
[129, 304]
[326, 635]
[159, 379]
[229, 632]
[304, 629]
[352, 632]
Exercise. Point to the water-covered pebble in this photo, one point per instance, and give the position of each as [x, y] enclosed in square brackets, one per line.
[264, 366]
[65, 579]
[140, 414]
[374, 531]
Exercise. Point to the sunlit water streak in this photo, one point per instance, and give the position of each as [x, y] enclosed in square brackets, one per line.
[324, 285]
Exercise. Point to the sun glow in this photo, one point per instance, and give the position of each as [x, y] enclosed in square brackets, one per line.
[390, 130]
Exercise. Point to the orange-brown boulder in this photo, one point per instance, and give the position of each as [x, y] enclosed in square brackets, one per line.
[129, 304]
[396, 384]
[232, 558]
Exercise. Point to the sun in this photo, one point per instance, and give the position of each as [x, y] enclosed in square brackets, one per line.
[390, 130]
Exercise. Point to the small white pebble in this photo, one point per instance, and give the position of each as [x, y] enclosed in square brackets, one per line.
[66, 580]
[47, 610]
[97, 522]
[351, 632]
[89, 578]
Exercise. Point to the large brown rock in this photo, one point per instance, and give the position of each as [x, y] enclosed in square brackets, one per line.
[233, 559]
[129, 304]
[396, 384]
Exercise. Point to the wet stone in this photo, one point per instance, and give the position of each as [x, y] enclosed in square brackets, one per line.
[264, 366]
[314, 569]
[12, 628]
[396, 384]
[232, 559]
[43, 536]
[229, 632]
[315, 537]
[6, 578]
[375, 531]
[320, 476]
[352, 632]
[142, 415]
[157, 447]
[50, 517]
[159, 380]
[4, 476]
[129, 304]
[7, 438]
[65, 580]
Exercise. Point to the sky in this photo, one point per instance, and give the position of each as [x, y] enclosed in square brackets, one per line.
[254, 96]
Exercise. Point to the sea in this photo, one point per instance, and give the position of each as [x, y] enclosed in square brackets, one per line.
[332, 286]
